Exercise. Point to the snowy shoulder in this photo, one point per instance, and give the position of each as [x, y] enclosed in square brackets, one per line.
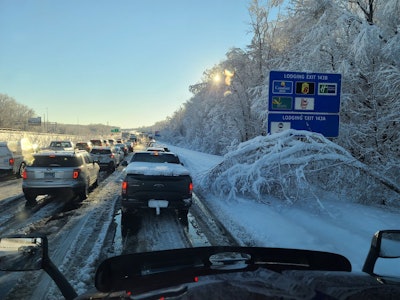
[163, 169]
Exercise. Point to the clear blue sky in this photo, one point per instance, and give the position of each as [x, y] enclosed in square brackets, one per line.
[125, 63]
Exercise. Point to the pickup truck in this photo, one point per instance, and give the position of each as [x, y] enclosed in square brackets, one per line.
[156, 180]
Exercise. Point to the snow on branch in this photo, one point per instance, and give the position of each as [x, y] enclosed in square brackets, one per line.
[297, 166]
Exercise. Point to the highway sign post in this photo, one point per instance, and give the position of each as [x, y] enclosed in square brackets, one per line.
[304, 101]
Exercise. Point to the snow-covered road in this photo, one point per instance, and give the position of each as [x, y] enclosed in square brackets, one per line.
[335, 226]
[81, 237]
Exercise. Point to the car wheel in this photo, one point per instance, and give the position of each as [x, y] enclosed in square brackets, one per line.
[96, 183]
[111, 167]
[84, 193]
[21, 170]
[30, 199]
[130, 223]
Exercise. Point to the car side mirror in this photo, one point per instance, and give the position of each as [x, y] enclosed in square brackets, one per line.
[124, 163]
[22, 253]
[28, 253]
[384, 244]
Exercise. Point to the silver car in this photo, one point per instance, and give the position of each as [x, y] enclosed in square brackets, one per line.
[52, 172]
[107, 157]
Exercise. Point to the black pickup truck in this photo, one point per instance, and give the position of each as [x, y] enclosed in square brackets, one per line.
[156, 180]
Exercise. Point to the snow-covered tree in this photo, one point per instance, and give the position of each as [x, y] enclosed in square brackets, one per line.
[359, 39]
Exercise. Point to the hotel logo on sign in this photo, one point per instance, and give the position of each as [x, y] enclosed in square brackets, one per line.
[327, 89]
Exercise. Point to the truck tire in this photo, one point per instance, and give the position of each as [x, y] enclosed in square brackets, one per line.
[183, 217]
[130, 223]
[30, 199]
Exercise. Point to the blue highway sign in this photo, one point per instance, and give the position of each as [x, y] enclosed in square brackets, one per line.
[311, 95]
[325, 124]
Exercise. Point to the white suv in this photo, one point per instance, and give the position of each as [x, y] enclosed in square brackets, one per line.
[14, 156]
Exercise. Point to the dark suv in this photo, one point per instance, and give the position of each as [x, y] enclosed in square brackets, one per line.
[52, 172]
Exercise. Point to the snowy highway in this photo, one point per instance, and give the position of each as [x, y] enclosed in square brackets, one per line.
[82, 234]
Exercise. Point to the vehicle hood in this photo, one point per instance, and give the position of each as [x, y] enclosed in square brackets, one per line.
[154, 169]
[265, 284]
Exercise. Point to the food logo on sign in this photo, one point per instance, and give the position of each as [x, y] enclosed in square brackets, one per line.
[305, 88]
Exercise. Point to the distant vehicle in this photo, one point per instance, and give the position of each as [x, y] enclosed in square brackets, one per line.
[156, 180]
[157, 147]
[130, 146]
[107, 157]
[123, 148]
[97, 142]
[53, 172]
[133, 138]
[84, 146]
[125, 135]
[121, 153]
[61, 145]
[14, 156]
[151, 143]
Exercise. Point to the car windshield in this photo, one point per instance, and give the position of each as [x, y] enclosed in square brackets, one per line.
[254, 123]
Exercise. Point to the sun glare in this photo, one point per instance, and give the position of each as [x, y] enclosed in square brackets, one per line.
[217, 78]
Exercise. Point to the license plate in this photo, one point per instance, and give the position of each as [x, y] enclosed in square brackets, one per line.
[158, 203]
[48, 175]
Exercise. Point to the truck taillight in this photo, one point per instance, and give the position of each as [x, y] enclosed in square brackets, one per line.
[76, 173]
[190, 187]
[124, 187]
[24, 174]
[11, 161]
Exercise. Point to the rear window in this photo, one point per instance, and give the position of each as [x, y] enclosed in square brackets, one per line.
[60, 144]
[97, 142]
[4, 150]
[100, 151]
[159, 158]
[57, 161]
